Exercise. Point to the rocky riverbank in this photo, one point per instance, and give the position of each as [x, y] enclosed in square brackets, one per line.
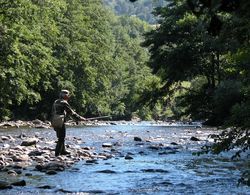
[44, 124]
[36, 153]
[111, 159]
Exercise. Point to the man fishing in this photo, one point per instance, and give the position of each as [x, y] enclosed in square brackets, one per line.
[60, 109]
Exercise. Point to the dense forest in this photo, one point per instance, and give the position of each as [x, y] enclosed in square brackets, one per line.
[142, 9]
[205, 56]
[195, 72]
[77, 45]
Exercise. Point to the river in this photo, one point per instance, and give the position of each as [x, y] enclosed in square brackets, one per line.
[162, 163]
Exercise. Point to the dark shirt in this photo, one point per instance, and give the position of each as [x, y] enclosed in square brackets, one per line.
[62, 107]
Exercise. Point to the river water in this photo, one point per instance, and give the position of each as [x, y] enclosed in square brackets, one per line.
[169, 169]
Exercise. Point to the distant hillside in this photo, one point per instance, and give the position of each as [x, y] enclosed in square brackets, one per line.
[141, 8]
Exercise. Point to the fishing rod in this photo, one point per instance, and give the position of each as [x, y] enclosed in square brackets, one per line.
[99, 117]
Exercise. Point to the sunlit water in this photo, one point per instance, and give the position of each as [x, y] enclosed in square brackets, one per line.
[172, 170]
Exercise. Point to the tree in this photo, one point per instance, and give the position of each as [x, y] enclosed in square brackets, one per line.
[26, 57]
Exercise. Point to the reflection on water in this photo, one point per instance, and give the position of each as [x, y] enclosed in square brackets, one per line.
[169, 170]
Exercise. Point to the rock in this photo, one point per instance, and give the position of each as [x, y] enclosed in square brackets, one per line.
[4, 185]
[6, 146]
[29, 142]
[7, 124]
[45, 187]
[174, 143]
[12, 172]
[137, 139]
[40, 159]
[51, 172]
[86, 148]
[2, 158]
[18, 172]
[42, 126]
[91, 161]
[117, 144]
[166, 183]
[167, 152]
[194, 139]
[154, 147]
[128, 157]
[16, 167]
[21, 136]
[155, 170]
[108, 145]
[19, 158]
[19, 183]
[107, 171]
[36, 153]
[7, 138]
[37, 122]
[50, 166]
[39, 167]
[18, 148]
[95, 192]
[2, 164]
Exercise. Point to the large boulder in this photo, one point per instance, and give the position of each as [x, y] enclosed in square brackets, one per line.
[29, 142]
[4, 185]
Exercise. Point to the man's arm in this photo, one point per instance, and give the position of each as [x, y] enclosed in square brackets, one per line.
[71, 112]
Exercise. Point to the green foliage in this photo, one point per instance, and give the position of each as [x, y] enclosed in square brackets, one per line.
[142, 9]
[240, 112]
[78, 45]
[229, 139]
[182, 50]
[225, 96]
[25, 58]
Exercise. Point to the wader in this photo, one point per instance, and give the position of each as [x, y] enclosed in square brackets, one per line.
[60, 146]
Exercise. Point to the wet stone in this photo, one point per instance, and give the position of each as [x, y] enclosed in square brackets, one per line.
[45, 187]
[51, 172]
[154, 147]
[92, 161]
[167, 152]
[19, 183]
[154, 170]
[194, 139]
[95, 192]
[29, 142]
[107, 171]
[4, 185]
[107, 145]
[36, 153]
[28, 174]
[12, 172]
[137, 139]
[19, 158]
[128, 157]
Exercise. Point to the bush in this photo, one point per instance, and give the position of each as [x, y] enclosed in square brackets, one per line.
[225, 97]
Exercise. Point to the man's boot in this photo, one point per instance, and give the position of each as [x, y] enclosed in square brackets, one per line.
[64, 152]
[58, 149]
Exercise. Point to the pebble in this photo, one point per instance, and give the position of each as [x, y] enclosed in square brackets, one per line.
[128, 157]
